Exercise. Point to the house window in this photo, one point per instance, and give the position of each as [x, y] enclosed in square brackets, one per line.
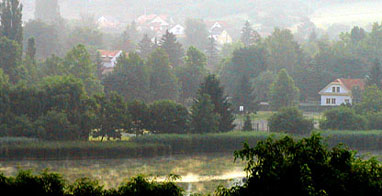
[338, 89]
[333, 101]
[347, 101]
[333, 89]
[327, 100]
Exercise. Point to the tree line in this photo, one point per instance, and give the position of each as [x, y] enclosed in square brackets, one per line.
[58, 108]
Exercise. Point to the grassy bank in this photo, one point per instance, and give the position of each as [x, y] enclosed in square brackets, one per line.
[79, 150]
[168, 144]
[356, 140]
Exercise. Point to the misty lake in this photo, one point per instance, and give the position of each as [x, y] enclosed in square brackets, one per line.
[199, 173]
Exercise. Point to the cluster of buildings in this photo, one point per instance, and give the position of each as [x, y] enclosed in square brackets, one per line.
[156, 26]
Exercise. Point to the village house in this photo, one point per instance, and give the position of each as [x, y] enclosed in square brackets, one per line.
[154, 23]
[109, 60]
[218, 32]
[340, 91]
[178, 31]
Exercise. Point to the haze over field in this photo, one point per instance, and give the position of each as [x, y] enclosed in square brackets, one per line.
[287, 13]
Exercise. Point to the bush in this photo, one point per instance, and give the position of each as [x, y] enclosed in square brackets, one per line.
[168, 117]
[290, 120]
[343, 118]
[374, 121]
[305, 167]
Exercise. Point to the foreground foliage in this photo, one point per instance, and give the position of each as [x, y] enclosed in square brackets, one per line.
[305, 167]
[53, 184]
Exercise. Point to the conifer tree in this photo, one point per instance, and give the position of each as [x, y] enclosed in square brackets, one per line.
[248, 35]
[248, 123]
[31, 49]
[173, 48]
[30, 61]
[212, 53]
[375, 75]
[211, 86]
[243, 95]
[10, 58]
[145, 47]
[203, 117]
[163, 82]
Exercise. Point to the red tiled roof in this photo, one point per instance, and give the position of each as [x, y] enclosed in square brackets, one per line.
[109, 53]
[350, 83]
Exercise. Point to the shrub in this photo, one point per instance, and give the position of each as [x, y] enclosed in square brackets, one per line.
[86, 187]
[374, 121]
[168, 117]
[343, 118]
[290, 120]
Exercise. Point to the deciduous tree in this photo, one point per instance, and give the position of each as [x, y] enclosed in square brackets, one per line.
[283, 92]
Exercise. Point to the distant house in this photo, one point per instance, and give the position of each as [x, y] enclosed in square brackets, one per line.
[109, 60]
[218, 32]
[155, 23]
[107, 22]
[178, 31]
[340, 91]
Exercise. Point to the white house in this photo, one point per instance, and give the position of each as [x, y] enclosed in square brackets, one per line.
[177, 30]
[340, 91]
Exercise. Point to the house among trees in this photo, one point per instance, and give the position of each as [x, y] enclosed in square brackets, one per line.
[340, 91]
[178, 31]
[109, 60]
[156, 23]
[218, 32]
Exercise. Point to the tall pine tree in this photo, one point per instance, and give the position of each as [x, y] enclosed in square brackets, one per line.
[212, 53]
[11, 20]
[145, 47]
[211, 86]
[203, 117]
[249, 36]
[375, 75]
[31, 49]
[163, 82]
[173, 48]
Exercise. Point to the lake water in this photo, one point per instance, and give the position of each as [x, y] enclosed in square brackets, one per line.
[199, 173]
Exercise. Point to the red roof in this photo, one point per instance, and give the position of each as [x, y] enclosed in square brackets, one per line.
[350, 83]
[109, 53]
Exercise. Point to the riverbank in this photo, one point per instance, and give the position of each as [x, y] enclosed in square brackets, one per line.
[168, 144]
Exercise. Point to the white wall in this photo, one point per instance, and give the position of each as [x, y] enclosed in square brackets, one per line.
[329, 89]
[339, 100]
